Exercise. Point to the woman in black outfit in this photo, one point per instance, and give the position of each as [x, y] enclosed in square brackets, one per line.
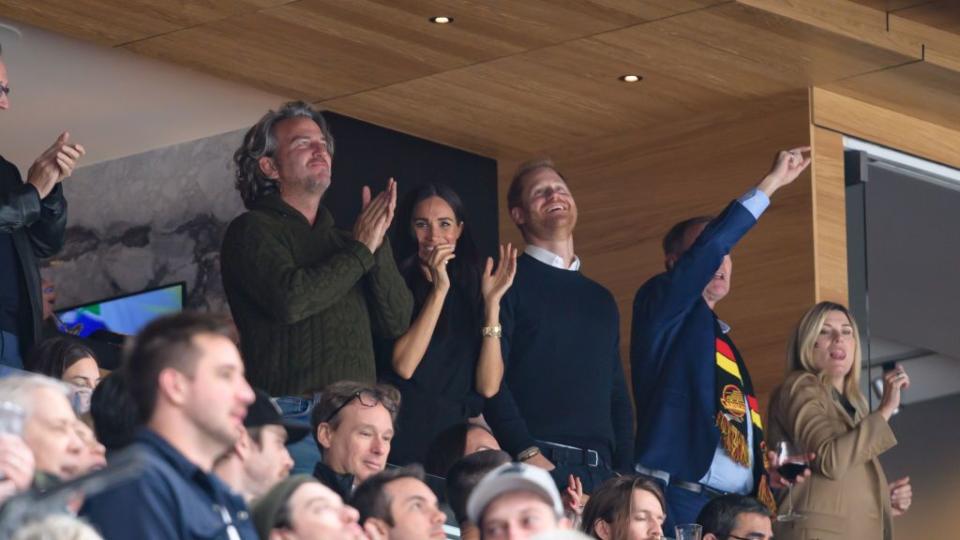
[449, 360]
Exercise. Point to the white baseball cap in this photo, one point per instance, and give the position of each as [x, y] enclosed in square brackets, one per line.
[508, 478]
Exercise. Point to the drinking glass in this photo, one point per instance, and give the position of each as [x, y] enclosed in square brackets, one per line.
[793, 463]
[688, 531]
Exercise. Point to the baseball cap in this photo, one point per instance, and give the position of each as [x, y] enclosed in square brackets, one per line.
[508, 478]
[264, 412]
[266, 509]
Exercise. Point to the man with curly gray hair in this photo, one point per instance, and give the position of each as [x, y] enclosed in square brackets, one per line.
[307, 297]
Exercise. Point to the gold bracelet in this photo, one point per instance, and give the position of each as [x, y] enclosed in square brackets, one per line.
[492, 331]
[531, 452]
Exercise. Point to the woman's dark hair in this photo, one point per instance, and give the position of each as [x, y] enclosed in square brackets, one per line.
[612, 502]
[447, 448]
[464, 269]
[55, 355]
[114, 413]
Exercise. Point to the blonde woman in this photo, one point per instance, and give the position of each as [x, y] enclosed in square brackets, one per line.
[820, 409]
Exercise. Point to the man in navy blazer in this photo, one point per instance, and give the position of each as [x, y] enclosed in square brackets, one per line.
[682, 355]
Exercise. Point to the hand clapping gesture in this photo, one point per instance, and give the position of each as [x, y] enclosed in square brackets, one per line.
[786, 168]
[375, 216]
[54, 164]
[495, 284]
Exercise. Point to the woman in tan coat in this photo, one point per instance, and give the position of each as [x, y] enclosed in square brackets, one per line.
[820, 409]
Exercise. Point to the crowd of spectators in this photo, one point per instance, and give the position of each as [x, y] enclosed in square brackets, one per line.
[503, 379]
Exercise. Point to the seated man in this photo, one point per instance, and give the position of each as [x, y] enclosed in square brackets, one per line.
[396, 504]
[735, 516]
[187, 378]
[353, 426]
[259, 459]
[463, 477]
[301, 508]
[49, 427]
[516, 501]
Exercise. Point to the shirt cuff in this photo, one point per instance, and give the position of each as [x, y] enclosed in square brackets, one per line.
[755, 201]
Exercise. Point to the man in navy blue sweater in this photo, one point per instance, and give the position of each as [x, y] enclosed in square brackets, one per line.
[698, 424]
[563, 404]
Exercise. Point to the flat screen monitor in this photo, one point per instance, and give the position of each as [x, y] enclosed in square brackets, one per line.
[125, 314]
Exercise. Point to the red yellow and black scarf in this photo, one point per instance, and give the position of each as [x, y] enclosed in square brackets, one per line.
[735, 392]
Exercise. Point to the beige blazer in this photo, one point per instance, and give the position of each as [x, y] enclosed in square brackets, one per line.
[847, 496]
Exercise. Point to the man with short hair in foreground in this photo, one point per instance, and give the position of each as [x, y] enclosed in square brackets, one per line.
[516, 502]
[187, 379]
[396, 504]
[259, 459]
[301, 508]
[735, 516]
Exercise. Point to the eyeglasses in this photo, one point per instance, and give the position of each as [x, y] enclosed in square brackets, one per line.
[4, 90]
[752, 537]
[367, 398]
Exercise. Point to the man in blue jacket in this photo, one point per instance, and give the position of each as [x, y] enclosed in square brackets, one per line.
[187, 380]
[698, 424]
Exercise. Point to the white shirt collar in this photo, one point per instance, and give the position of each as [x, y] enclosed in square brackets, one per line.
[550, 258]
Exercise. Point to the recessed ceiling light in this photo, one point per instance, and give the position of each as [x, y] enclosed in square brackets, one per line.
[441, 19]
[631, 78]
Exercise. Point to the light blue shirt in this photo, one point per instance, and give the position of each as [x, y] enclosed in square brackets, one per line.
[724, 473]
[755, 201]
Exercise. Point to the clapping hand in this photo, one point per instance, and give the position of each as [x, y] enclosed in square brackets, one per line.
[786, 168]
[54, 164]
[375, 217]
[495, 284]
[901, 495]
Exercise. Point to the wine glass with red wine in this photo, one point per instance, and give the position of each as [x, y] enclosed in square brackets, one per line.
[793, 463]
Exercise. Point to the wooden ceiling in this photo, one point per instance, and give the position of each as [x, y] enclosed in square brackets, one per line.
[512, 78]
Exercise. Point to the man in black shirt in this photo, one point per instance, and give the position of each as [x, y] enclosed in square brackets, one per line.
[563, 404]
[33, 218]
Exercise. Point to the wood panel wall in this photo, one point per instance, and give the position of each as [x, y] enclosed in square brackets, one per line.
[631, 188]
[912, 108]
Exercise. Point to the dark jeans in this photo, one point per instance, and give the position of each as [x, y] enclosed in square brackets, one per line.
[683, 506]
[305, 452]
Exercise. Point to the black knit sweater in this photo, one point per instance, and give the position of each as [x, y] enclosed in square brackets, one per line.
[564, 382]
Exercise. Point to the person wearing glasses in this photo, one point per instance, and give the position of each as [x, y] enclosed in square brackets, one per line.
[33, 220]
[353, 425]
[820, 409]
[737, 517]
